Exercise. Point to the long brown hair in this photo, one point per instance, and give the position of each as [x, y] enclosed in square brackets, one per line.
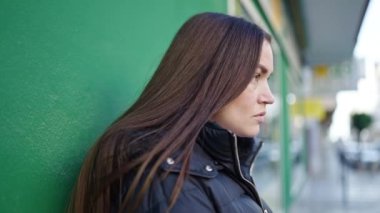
[210, 62]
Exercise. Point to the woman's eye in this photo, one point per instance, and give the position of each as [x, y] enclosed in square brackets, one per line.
[257, 76]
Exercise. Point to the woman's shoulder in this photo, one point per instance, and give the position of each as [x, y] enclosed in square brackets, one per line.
[200, 165]
[192, 197]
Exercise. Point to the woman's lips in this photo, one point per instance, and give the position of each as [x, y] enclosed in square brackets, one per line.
[260, 114]
[260, 117]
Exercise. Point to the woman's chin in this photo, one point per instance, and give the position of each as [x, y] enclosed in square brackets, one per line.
[249, 132]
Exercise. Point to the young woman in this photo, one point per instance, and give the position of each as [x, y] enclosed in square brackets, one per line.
[187, 143]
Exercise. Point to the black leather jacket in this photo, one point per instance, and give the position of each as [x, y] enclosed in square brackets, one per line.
[218, 181]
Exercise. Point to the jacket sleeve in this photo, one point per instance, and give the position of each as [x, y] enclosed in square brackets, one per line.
[192, 199]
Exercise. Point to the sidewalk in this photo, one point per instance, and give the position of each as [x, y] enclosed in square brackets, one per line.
[323, 192]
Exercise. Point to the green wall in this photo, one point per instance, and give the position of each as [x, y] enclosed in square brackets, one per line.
[67, 70]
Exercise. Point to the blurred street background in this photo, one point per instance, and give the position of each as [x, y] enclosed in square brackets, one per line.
[68, 69]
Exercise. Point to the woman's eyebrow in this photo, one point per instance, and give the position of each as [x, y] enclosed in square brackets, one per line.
[263, 69]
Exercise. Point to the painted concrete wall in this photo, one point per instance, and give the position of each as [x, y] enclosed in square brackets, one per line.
[68, 69]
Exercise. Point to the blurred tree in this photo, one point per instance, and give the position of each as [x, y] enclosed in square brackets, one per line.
[360, 121]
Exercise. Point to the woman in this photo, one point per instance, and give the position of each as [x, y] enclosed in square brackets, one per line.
[187, 144]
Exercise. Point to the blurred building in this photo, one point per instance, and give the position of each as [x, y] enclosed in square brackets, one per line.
[313, 47]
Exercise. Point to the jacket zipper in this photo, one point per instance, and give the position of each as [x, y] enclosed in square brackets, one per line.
[241, 174]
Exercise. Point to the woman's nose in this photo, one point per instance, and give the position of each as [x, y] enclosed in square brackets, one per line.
[267, 96]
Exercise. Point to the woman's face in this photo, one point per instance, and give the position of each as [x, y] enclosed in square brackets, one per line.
[244, 114]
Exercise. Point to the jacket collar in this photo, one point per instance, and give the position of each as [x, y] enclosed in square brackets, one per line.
[215, 145]
[218, 143]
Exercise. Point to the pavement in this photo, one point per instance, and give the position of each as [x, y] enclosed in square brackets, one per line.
[324, 191]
